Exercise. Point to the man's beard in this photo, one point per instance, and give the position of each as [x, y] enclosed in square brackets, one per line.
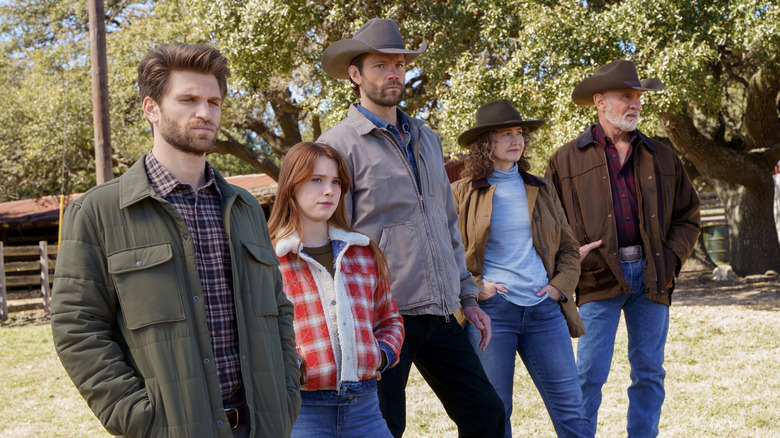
[379, 96]
[186, 140]
[619, 121]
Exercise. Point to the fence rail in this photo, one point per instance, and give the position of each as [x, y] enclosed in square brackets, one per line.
[25, 269]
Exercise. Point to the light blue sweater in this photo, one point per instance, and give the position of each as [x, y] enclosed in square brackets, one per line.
[510, 257]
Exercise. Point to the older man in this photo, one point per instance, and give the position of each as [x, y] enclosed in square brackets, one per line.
[632, 193]
[401, 198]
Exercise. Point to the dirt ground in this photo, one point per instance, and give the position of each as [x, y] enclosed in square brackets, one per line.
[698, 288]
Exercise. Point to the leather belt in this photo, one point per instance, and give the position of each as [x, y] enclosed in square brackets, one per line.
[236, 416]
[631, 253]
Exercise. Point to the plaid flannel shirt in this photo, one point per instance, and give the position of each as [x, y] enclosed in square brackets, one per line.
[375, 316]
[201, 210]
[623, 182]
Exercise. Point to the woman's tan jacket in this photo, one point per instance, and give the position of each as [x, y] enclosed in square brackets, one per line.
[552, 236]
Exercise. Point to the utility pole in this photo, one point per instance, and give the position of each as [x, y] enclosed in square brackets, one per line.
[97, 40]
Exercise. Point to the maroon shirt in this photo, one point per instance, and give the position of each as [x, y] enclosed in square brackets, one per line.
[623, 185]
[201, 210]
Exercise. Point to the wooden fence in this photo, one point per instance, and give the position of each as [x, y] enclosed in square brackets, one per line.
[25, 277]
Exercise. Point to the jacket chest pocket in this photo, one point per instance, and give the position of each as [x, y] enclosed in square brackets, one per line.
[262, 266]
[147, 285]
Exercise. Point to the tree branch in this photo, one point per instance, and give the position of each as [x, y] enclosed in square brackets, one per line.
[714, 158]
[244, 153]
[762, 129]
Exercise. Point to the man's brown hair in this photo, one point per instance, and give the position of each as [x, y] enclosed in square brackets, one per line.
[357, 62]
[156, 67]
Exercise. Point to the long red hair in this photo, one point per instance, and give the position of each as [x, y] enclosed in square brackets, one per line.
[297, 169]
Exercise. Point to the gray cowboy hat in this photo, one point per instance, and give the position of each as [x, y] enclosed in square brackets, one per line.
[497, 114]
[617, 75]
[378, 35]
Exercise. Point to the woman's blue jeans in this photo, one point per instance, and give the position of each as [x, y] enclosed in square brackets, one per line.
[647, 323]
[540, 336]
[351, 412]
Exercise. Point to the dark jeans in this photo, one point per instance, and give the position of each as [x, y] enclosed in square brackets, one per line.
[444, 357]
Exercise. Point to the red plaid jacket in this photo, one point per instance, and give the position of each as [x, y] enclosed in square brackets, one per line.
[342, 344]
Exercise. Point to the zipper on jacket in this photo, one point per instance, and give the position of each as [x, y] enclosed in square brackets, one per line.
[402, 150]
[421, 201]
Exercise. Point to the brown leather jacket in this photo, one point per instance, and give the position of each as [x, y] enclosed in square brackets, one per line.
[668, 215]
[552, 237]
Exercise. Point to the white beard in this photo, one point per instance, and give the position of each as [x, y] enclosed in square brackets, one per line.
[619, 121]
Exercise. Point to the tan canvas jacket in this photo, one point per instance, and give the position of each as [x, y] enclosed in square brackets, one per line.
[552, 237]
[415, 225]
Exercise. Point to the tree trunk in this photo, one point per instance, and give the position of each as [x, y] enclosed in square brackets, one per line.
[754, 248]
[699, 259]
[744, 184]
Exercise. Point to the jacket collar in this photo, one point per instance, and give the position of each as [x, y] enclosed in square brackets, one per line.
[292, 242]
[135, 187]
[528, 179]
[586, 138]
[364, 126]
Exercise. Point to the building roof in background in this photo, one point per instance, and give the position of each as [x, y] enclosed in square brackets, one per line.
[47, 208]
[43, 209]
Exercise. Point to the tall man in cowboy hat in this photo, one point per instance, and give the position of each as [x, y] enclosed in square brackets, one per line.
[632, 193]
[401, 198]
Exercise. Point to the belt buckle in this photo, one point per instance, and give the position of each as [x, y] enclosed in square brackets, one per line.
[630, 253]
[237, 413]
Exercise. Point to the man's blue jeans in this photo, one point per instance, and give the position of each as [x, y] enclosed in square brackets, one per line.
[647, 323]
[351, 412]
[539, 334]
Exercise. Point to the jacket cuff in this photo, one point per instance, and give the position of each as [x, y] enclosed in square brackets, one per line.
[391, 358]
[468, 301]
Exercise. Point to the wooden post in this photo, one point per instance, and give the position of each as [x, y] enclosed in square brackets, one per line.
[45, 275]
[3, 300]
[97, 42]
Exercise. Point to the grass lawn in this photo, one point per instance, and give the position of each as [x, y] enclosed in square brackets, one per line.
[722, 362]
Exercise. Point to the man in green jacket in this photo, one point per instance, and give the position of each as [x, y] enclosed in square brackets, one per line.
[167, 311]
[633, 195]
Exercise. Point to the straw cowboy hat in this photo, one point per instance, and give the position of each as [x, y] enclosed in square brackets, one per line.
[379, 35]
[617, 75]
[497, 114]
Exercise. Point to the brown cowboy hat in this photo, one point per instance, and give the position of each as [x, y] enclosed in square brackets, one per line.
[617, 75]
[497, 114]
[379, 35]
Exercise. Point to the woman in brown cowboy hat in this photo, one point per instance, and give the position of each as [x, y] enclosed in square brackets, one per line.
[522, 253]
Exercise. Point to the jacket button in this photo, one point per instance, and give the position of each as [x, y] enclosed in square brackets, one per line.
[545, 250]
[537, 218]
[139, 263]
[609, 215]
[206, 361]
[650, 177]
[220, 423]
[243, 356]
[185, 237]
[658, 254]
[195, 298]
